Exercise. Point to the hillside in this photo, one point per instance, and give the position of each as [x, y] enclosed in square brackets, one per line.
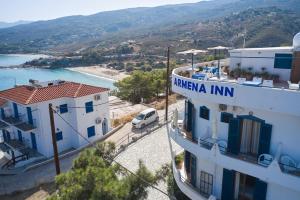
[77, 32]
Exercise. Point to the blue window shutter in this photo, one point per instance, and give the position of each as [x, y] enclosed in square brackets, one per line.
[91, 131]
[190, 117]
[20, 136]
[260, 190]
[185, 115]
[89, 107]
[29, 115]
[2, 113]
[194, 138]
[226, 117]
[228, 184]
[59, 136]
[33, 141]
[283, 61]
[63, 108]
[265, 138]
[193, 170]
[204, 112]
[16, 112]
[234, 136]
[187, 158]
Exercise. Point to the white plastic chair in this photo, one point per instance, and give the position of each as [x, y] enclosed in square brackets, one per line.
[293, 86]
[257, 79]
[241, 80]
[267, 83]
[265, 159]
[222, 145]
[288, 164]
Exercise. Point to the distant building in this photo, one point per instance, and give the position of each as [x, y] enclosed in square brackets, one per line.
[25, 121]
[241, 137]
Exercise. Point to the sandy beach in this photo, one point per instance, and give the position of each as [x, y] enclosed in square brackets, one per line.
[101, 72]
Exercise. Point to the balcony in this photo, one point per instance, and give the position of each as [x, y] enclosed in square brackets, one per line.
[215, 151]
[235, 93]
[20, 122]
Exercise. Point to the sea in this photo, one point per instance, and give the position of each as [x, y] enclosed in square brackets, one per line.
[19, 76]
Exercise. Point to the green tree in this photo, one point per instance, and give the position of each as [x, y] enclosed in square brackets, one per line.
[95, 176]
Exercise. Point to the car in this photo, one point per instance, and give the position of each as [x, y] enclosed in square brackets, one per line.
[144, 118]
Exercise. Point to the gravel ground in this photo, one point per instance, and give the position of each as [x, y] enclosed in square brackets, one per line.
[154, 150]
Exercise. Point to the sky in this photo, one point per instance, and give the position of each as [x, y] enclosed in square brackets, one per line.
[33, 10]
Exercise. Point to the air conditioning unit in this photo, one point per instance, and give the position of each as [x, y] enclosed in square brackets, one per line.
[97, 97]
[98, 120]
[222, 107]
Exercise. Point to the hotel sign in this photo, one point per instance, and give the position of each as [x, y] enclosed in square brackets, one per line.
[203, 88]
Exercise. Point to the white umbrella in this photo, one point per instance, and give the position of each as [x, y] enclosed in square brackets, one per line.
[193, 52]
[219, 48]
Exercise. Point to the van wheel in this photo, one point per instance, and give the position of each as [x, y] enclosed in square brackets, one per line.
[142, 126]
[157, 119]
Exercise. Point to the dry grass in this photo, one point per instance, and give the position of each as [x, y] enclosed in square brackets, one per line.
[123, 120]
[160, 105]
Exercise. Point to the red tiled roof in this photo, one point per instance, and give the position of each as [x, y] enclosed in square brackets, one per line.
[2, 102]
[25, 94]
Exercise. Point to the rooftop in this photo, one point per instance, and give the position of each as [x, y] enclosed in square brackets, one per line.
[263, 49]
[29, 94]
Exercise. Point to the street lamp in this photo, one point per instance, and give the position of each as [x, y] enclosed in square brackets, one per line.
[192, 52]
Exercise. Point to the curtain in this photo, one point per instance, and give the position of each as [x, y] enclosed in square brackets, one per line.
[250, 136]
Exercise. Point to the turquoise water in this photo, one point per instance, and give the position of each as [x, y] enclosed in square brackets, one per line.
[10, 76]
[16, 59]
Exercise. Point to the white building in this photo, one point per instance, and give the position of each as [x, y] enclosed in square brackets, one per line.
[25, 120]
[241, 138]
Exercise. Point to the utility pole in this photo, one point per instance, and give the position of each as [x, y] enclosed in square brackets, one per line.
[55, 151]
[167, 85]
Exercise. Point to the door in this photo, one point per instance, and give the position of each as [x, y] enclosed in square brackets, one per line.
[228, 183]
[104, 126]
[4, 136]
[20, 136]
[2, 113]
[33, 141]
[193, 170]
[29, 115]
[16, 112]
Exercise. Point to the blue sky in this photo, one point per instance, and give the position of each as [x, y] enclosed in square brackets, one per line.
[13, 10]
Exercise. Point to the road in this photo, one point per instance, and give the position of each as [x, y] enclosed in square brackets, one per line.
[153, 148]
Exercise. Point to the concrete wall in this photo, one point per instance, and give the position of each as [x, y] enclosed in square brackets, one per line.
[260, 60]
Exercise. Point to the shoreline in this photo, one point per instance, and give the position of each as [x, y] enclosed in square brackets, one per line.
[100, 72]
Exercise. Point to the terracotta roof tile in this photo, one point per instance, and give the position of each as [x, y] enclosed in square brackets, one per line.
[28, 94]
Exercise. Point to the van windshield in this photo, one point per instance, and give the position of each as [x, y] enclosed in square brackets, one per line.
[140, 117]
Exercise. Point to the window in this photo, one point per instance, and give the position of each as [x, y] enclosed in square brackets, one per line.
[63, 108]
[89, 107]
[91, 131]
[283, 61]
[206, 183]
[204, 112]
[59, 136]
[225, 117]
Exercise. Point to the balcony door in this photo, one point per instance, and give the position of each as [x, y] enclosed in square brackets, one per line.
[250, 134]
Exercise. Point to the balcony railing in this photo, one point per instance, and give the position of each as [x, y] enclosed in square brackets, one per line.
[287, 174]
[20, 122]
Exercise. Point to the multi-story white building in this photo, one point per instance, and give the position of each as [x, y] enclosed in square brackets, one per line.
[241, 137]
[25, 120]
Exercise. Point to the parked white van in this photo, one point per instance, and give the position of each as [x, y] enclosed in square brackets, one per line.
[144, 118]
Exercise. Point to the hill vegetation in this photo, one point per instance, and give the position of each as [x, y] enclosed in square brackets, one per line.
[208, 22]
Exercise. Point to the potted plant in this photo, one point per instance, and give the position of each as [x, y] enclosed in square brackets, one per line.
[249, 74]
[179, 160]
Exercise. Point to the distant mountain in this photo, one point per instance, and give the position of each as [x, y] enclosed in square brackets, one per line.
[77, 32]
[11, 24]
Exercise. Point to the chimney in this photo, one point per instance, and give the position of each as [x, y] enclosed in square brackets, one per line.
[295, 72]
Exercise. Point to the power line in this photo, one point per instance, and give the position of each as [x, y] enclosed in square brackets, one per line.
[111, 159]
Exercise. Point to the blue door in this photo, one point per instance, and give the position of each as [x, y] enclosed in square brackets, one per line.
[20, 136]
[2, 113]
[4, 136]
[193, 170]
[16, 112]
[29, 115]
[33, 141]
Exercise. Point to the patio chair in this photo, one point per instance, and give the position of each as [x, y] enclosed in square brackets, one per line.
[293, 86]
[288, 164]
[222, 145]
[265, 159]
[257, 79]
[241, 80]
[267, 83]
